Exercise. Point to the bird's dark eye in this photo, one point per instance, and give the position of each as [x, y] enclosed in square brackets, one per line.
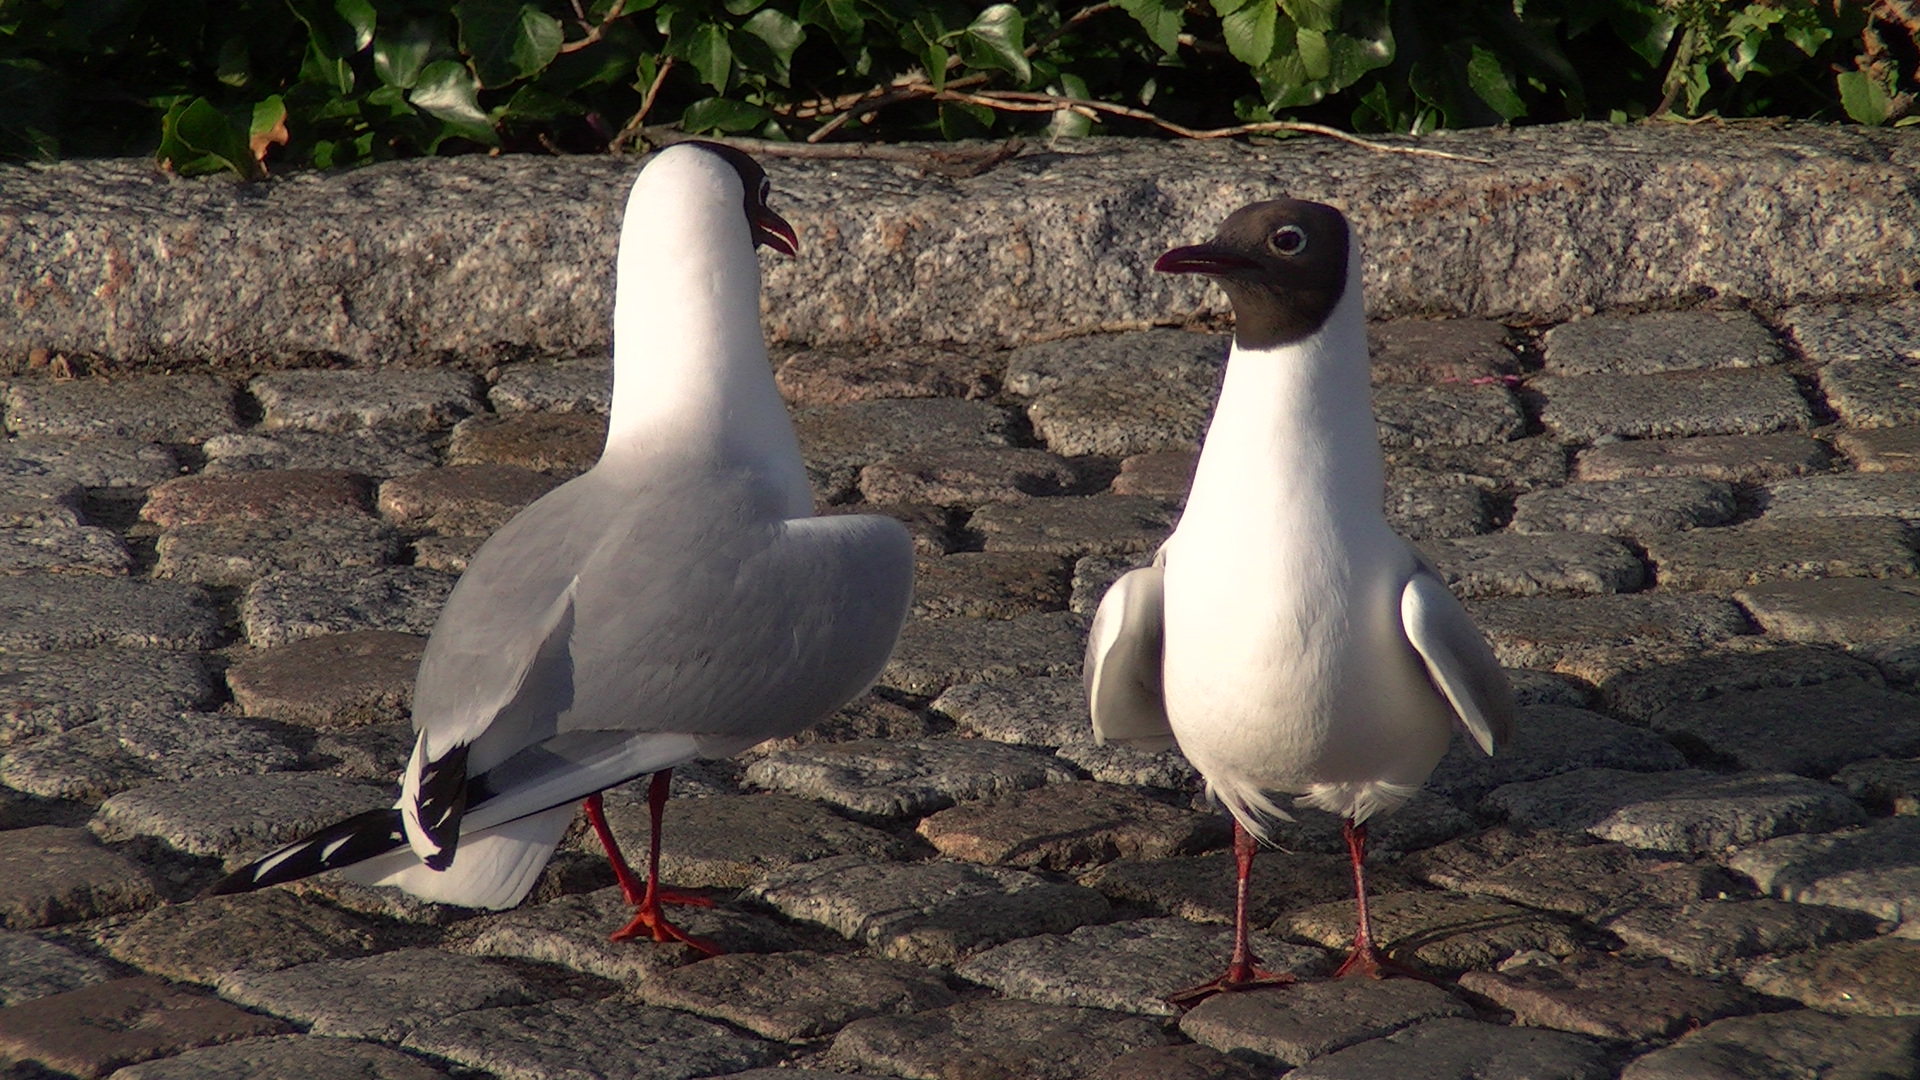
[766, 189]
[1288, 240]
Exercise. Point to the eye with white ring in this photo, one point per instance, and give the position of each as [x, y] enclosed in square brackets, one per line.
[1288, 240]
[766, 189]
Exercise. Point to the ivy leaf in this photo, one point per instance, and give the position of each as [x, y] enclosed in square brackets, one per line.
[400, 55]
[1161, 19]
[1312, 14]
[1867, 100]
[934, 59]
[1249, 29]
[449, 92]
[712, 58]
[1490, 79]
[359, 17]
[840, 17]
[507, 40]
[196, 138]
[530, 104]
[1066, 123]
[783, 35]
[1316, 59]
[995, 39]
[720, 114]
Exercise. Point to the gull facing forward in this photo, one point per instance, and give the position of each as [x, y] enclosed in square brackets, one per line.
[678, 600]
[1285, 637]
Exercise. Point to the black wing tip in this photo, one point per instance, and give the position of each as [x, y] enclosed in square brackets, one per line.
[355, 839]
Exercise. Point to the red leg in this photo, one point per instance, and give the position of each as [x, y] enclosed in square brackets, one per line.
[1243, 970]
[630, 886]
[1366, 960]
[649, 919]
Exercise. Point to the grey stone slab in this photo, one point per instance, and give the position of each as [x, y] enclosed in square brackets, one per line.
[927, 913]
[1507, 467]
[288, 606]
[1684, 810]
[376, 752]
[1200, 888]
[96, 760]
[1296, 1024]
[1836, 611]
[337, 401]
[797, 995]
[1879, 977]
[30, 501]
[1166, 474]
[1447, 415]
[1588, 880]
[1042, 711]
[379, 453]
[1426, 351]
[1460, 1049]
[1790, 1044]
[1115, 764]
[993, 1038]
[1886, 494]
[1125, 966]
[463, 500]
[968, 477]
[1889, 449]
[561, 386]
[1421, 822]
[1732, 402]
[1609, 998]
[1883, 786]
[1532, 687]
[93, 1030]
[385, 996]
[51, 692]
[1863, 330]
[1093, 575]
[1440, 932]
[1812, 730]
[1141, 415]
[153, 408]
[1184, 1061]
[732, 841]
[608, 1038]
[989, 584]
[1875, 869]
[55, 875]
[1735, 459]
[63, 549]
[1898, 659]
[869, 716]
[1659, 341]
[885, 779]
[33, 968]
[835, 375]
[563, 445]
[1732, 558]
[933, 654]
[862, 432]
[1714, 937]
[330, 681]
[1173, 356]
[235, 817]
[1548, 740]
[205, 938]
[1873, 392]
[236, 553]
[1630, 508]
[273, 494]
[1511, 564]
[1641, 694]
[1071, 826]
[58, 612]
[285, 1057]
[93, 463]
[447, 554]
[1075, 526]
[1437, 511]
[1542, 631]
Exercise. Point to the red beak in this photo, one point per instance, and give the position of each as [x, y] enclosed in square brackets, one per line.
[1202, 259]
[772, 230]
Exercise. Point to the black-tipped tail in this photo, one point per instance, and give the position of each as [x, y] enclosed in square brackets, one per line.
[357, 839]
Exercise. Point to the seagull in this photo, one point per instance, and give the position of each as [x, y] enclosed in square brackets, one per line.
[1284, 637]
[678, 600]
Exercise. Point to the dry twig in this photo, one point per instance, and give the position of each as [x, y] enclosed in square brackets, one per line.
[632, 127]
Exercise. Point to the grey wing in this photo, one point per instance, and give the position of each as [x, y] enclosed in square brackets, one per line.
[1123, 663]
[1458, 658]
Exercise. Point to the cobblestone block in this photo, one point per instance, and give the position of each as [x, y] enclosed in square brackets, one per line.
[263, 931]
[1875, 869]
[797, 995]
[235, 817]
[93, 463]
[967, 477]
[55, 875]
[63, 549]
[379, 453]
[94, 1030]
[1880, 977]
[1715, 936]
[1591, 881]
[1124, 418]
[1508, 467]
[288, 1057]
[1545, 688]
[465, 500]
[934, 654]
[559, 386]
[334, 680]
[1071, 826]
[1452, 415]
[904, 779]
[34, 501]
[1888, 449]
[32, 968]
[447, 554]
[233, 554]
[927, 913]
[376, 752]
[1437, 511]
[1090, 525]
[1200, 888]
[608, 1038]
[1639, 695]
[1153, 355]
[1823, 498]
[1873, 392]
[1732, 402]
[286, 607]
[1595, 994]
[1548, 740]
[1540, 631]
[559, 444]
[1630, 508]
[384, 996]
[1659, 341]
[420, 399]
[1798, 1043]
[1125, 966]
[1045, 711]
[1421, 352]
[1452, 1049]
[989, 584]
[929, 526]
[1114, 764]
[1733, 459]
[1836, 611]
[869, 716]
[96, 760]
[1165, 474]
[837, 375]
[1898, 659]
[732, 841]
[1420, 822]
[1732, 558]
[1825, 333]
[858, 434]
[1311, 1019]
[1093, 575]
[1511, 564]
[1681, 811]
[1812, 730]
[1187, 1061]
[1444, 933]
[59, 612]
[152, 408]
[270, 495]
[1883, 786]
[993, 1038]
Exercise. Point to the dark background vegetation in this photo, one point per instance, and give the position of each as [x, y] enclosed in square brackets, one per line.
[241, 85]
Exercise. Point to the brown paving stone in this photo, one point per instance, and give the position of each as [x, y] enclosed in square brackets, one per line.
[1711, 936]
[931, 527]
[990, 584]
[1510, 467]
[1836, 611]
[836, 376]
[335, 680]
[797, 995]
[1638, 694]
[868, 716]
[1797, 1045]
[1090, 525]
[257, 496]
[1421, 352]
[559, 444]
[94, 1030]
[51, 875]
[286, 1057]
[967, 476]
[467, 500]
[1200, 888]
[1189, 1061]
[1443, 933]
[1595, 879]
[1887, 449]
[446, 553]
[1880, 977]
[1811, 730]
[1071, 826]
[1883, 494]
[1167, 474]
[732, 841]
[1883, 785]
[1596, 994]
[1292, 1025]
[1722, 560]
[1464, 858]
[978, 1040]
[1542, 631]
[1875, 869]
[268, 930]
[1736, 459]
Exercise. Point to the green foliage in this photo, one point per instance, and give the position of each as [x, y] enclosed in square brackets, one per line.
[214, 86]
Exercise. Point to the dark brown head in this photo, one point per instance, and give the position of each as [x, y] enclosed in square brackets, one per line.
[767, 227]
[1283, 265]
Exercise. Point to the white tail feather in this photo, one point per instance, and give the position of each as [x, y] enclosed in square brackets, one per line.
[492, 868]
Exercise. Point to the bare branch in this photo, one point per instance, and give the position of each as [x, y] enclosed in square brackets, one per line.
[632, 127]
[593, 32]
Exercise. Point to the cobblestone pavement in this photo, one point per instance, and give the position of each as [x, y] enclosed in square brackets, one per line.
[1691, 535]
